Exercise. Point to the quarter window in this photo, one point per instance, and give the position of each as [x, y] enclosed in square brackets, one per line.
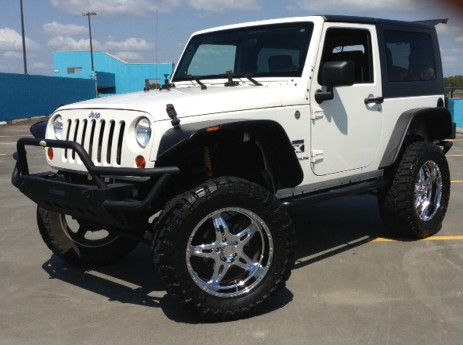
[409, 56]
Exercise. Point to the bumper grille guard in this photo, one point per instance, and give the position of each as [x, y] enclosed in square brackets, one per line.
[109, 204]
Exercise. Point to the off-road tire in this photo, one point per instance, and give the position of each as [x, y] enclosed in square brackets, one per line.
[54, 236]
[176, 224]
[396, 201]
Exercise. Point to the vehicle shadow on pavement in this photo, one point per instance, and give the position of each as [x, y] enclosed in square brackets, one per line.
[133, 281]
[322, 231]
[336, 226]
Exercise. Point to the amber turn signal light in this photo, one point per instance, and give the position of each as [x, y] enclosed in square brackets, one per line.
[213, 129]
[141, 162]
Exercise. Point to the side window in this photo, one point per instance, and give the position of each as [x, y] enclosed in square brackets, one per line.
[410, 56]
[350, 45]
[222, 61]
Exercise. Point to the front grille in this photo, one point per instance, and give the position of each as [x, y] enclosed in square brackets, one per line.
[101, 139]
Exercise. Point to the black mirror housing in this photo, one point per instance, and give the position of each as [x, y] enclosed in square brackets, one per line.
[338, 73]
[335, 73]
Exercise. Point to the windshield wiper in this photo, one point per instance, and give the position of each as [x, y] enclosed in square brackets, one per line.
[232, 82]
[200, 83]
[252, 80]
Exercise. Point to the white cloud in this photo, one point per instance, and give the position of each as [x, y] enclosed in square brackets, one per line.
[116, 7]
[449, 60]
[39, 65]
[58, 29]
[10, 54]
[128, 49]
[129, 56]
[129, 44]
[10, 40]
[448, 29]
[69, 43]
[357, 5]
[223, 5]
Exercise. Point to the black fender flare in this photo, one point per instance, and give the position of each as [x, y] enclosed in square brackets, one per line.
[38, 129]
[271, 135]
[432, 123]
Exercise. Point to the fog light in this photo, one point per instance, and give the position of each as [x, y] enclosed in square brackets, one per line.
[50, 153]
[140, 161]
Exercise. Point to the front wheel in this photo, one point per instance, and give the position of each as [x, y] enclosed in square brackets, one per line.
[415, 203]
[80, 243]
[224, 248]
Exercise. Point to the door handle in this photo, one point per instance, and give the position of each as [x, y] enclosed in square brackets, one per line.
[376, 100]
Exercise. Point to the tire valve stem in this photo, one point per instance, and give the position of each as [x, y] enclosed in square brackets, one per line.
[207, 160]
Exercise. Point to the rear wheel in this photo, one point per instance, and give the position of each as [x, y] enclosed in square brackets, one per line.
[415, 203]
[224, 248]
[79, 242]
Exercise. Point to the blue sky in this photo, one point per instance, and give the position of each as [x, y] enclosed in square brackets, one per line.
[126, 28]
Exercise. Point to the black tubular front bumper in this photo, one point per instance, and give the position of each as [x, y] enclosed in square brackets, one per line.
[103, 203]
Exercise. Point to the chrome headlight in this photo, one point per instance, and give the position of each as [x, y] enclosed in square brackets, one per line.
[58, 127]
[143, 131]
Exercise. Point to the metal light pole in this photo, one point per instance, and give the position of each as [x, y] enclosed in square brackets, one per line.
[23, 36]
[89, 14]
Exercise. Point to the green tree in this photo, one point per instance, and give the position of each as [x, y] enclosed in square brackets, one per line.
[454, 81]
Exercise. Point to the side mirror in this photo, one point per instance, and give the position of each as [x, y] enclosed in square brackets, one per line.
[335, 73]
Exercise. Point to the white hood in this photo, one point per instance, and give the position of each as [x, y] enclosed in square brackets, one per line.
[192, 101]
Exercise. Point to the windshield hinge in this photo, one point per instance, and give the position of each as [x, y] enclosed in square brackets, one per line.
[316, 156]
[317, 114]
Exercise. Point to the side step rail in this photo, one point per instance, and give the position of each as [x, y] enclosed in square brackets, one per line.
[332, 193]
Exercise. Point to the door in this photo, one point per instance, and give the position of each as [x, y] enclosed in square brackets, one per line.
[346, 131]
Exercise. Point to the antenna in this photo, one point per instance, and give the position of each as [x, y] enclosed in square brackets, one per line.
[156, 44]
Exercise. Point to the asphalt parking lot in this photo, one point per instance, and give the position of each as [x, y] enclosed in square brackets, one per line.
[352, 284]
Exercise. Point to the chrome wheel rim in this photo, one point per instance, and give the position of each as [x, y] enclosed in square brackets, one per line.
[229, 252]
[428, 191]
[86, 236]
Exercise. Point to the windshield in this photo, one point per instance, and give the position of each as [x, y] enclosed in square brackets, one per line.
[277, 50]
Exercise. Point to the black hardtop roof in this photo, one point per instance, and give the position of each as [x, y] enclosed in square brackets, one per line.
[378, 21]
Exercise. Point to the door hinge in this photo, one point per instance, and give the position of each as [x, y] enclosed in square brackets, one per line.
[316, 115]
[316, 156]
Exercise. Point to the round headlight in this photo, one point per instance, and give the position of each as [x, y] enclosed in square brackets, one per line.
[58, 127]
[143, 130]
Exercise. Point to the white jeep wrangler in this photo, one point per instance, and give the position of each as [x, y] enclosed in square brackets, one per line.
[257, 117]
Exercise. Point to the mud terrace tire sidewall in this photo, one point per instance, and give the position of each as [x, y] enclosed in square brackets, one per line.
[179, 219]
[396, 202]
[54, 236]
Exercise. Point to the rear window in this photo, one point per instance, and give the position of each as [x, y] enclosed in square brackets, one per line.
[410, 56]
